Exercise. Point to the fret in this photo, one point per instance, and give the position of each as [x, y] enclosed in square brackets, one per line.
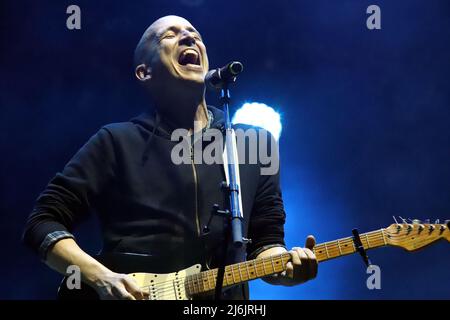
[326, 250]
[254, 266]
[367, 239]
[196, 290]
[273, 266]
[204, 281]
[339, 247]
[208, 277]
[287, 260]
[353, 244]
[199, 282]
[280, 261]
[189, 284]
[264, 267]
[196, 282]
[229, 274]
[384, 239]
[232, 274]
[240, 273]
[214, 278]
[248, 271]
[351, 241]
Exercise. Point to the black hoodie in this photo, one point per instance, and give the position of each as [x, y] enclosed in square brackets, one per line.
[146, 204]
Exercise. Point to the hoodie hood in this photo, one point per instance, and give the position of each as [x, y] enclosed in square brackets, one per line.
[152, 124]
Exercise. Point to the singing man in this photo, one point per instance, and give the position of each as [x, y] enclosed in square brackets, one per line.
[146, 204]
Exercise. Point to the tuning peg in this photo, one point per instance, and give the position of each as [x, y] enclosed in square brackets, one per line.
[399, 226]
[417, 221]
[437, 221]
[431, 228]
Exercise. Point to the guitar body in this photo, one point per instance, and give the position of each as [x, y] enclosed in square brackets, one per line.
[160, 286]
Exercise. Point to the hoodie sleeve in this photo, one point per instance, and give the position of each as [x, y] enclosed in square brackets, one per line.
[69, 195]
[266, 227]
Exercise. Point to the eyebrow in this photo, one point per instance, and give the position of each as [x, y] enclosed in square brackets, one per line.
[177, 29]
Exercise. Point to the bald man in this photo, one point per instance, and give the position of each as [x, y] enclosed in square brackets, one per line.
[148, 205]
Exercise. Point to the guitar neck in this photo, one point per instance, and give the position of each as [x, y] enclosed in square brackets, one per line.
[257, 268]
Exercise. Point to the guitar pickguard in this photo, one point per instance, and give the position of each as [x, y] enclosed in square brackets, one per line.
[166, 286]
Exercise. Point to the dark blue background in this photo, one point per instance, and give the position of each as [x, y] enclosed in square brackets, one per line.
[365, 114]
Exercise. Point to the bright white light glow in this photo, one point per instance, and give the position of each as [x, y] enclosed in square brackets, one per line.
[261, 115]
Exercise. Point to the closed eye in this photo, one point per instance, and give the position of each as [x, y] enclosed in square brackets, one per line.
[167, 35]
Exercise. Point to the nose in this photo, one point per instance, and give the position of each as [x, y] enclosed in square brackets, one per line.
[187, 38]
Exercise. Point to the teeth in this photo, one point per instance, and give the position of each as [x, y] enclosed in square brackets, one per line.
[189, 51]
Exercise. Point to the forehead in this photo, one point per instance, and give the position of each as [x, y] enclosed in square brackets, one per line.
[170, 23]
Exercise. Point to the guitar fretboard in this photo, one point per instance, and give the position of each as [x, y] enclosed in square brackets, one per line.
[257, 268]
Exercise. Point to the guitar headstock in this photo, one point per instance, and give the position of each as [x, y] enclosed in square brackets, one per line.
[416, 234]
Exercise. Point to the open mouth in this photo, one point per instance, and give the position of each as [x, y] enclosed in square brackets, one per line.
[189, 57]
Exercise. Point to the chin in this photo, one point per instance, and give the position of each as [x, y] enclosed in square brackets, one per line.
[196, 77]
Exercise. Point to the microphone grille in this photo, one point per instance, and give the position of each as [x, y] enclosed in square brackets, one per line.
[236, 67]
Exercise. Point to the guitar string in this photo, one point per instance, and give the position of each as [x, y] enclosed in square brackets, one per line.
[201, 285]
[260, 264]
[203, 289]
[407, 240]
[375, 235]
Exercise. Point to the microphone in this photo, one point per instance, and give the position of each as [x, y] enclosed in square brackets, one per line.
[217, 78]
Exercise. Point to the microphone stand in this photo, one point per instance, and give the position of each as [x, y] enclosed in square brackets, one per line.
[234, 214]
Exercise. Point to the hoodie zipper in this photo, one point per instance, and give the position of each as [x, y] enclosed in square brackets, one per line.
[194, 171]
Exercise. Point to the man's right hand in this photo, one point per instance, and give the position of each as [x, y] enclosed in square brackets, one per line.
[117, 286]
[108, 284]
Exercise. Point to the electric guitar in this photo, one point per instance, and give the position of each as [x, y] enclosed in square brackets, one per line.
[187, 283]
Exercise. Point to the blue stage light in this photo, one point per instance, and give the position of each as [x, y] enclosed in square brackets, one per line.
[261, 115]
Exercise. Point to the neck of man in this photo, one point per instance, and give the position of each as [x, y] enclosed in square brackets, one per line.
[183, 108]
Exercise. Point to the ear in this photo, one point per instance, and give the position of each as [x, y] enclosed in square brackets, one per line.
[143, 73]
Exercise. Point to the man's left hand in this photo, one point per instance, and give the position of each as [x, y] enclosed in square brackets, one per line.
[303, 266]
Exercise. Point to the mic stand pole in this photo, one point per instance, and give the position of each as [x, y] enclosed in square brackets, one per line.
[234, 215]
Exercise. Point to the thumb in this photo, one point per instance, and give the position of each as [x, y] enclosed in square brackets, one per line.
[310, 242]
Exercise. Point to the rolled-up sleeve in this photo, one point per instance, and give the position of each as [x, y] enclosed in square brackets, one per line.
[68, 196]
[50, 240]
